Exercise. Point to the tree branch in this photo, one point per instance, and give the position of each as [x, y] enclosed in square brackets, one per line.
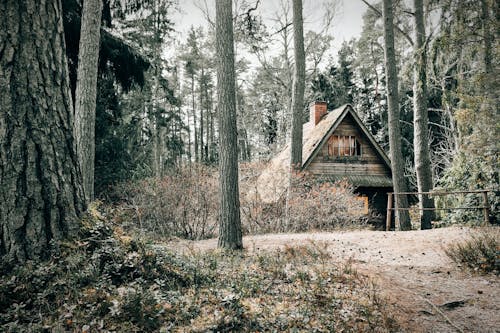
[379, 13]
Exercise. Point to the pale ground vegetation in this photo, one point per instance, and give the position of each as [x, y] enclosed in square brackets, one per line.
[411, 270]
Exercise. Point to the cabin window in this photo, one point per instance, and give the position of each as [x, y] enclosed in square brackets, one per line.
[343, 145]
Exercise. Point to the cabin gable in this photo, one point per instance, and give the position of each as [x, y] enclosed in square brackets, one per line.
[339, 147]
[348, 151]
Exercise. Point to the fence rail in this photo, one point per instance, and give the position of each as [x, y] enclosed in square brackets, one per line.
[391, 201]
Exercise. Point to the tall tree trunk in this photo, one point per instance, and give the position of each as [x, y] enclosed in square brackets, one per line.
[189, 138]
[230, 224]
[421, 119]
[298, 86]
[86, 92]
[207, 122]
[393, 112]
[196, 147]
[212, 128]
[41, 196]
[202, 146]
[487, 37]
[156, 128]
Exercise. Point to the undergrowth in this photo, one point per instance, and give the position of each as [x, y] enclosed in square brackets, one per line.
[480, 253]
[107, 281]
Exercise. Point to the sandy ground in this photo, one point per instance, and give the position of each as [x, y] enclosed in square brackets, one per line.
[412, 271]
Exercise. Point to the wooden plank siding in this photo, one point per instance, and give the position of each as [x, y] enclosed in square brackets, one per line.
[369, 163]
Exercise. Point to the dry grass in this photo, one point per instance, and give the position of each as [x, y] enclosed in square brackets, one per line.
[480, 253]
[108, 281]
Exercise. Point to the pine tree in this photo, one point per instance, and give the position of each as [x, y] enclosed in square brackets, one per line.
[421, 118]
[41, 192]
[86, 92]
[393, 111]
[298, 86]
[230, 224]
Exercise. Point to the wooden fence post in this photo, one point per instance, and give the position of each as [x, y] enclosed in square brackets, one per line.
[389, 212]
[486, 208]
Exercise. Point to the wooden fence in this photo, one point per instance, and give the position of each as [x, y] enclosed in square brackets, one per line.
[391, 207]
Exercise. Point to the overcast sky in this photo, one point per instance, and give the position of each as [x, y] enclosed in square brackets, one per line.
[347, 23]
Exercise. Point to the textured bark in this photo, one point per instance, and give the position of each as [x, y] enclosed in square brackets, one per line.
[393, 113]
[86, 92]
[298, 86]
[421, 119]
[230, 224]
[487, 39]
[41, 195]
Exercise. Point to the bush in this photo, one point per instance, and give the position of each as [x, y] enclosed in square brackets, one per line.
[103, 280]
[480, 253]
[183, 204]
[314, 204]
[320, 204]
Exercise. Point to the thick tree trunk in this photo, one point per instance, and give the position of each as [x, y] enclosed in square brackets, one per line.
[421, 119]
[393, 112]
[86, 92]
[41, 195]
[230, 224]
[298, 86]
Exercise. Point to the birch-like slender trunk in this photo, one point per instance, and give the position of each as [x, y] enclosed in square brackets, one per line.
[196, 148]
[421, 119]
[202, 146]
[86, 92]
[230, 224]
[393, 112]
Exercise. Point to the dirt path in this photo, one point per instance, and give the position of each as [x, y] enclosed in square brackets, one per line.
[412, 271]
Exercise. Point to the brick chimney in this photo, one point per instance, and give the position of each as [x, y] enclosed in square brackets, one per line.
[316, 111]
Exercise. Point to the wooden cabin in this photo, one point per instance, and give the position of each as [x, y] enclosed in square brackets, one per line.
[336, 146]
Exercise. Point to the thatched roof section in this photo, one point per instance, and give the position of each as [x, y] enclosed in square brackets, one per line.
[273, 181]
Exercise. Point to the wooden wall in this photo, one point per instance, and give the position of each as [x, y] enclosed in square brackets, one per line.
[369, 163]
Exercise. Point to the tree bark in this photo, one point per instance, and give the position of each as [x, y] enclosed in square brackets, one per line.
[298, 86]
[86, 92]
[230, 224]
[41, 196]
[196, 148]
[393, 113]
[487, 36]
[202, 146]
[421, 119]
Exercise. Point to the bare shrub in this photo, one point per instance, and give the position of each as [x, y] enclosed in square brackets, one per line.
[314, 204]
[183, 204]
[257, 217]
[320, 204]
[480, 253]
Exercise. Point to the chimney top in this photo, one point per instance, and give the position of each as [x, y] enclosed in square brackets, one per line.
[317, 109]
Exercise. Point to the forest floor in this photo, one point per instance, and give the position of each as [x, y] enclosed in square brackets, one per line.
[411, 269]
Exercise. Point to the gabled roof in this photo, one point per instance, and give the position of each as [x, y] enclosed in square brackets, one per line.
[315, 137]
[273, 181]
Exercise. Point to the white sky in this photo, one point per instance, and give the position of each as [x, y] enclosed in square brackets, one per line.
[347, 22]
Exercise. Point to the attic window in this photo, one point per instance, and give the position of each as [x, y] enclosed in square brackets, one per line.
[343, 145]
